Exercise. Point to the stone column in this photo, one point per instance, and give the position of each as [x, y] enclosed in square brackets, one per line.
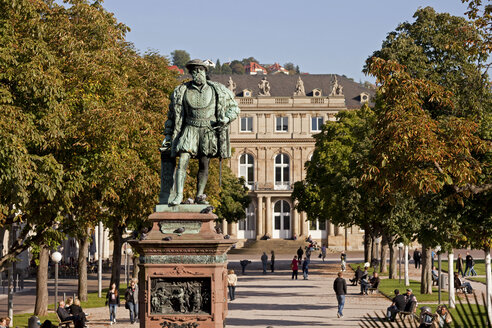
[225, 227]
[233, 230]
[330, 229]
[259, 218]
[304, 225]
[295, 222]
[268, 216]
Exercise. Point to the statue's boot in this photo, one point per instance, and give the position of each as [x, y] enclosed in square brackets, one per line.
[180, 179]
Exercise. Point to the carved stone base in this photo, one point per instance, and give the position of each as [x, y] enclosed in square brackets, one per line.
[183, 271]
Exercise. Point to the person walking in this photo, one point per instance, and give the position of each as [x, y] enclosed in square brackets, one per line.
[272, 260]
[112, 300]
[469, 262]
[459, 265]
[417, 256]
[305, 269]
[131, 300]
[231, 284]
[340, 288]
[323, 252]
[294, 265]
[264, 261]
[300, 253]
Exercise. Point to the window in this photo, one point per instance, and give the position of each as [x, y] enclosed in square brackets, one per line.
[281, 213]
[282, 178]
[316, 123]
[282, 124]
[247, 168]
[246, 124]
[317, 225]
[248, 223]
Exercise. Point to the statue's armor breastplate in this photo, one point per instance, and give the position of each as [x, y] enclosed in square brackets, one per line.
[200, 106]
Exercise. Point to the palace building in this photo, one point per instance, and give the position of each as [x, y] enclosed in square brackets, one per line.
[273, 138]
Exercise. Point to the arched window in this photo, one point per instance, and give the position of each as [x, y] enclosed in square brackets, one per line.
[247, 168]
[281, 213]
[282, 178]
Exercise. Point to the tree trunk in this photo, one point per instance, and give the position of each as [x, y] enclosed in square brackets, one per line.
[41, 306]
[82, 269]
[488, 279]
[136, 268]
[374, 256]
[452, 303]
[426, 276]
[393, 267]
[116, 267]
[367, 247]
[384, 254]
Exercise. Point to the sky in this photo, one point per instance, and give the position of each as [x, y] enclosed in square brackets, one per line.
[321, 36]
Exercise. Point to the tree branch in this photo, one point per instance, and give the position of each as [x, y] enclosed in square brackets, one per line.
[475, 189]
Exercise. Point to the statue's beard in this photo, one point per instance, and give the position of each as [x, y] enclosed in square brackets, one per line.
[199, 79]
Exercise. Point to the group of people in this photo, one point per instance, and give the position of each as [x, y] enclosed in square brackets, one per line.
[469, 265]
[131, 301]
[362, 277]
[401, 303]
[264, 262]
[296, 263]
[72, 311]
[4, 322]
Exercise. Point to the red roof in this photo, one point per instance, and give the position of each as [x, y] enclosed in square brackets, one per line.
[176, 68]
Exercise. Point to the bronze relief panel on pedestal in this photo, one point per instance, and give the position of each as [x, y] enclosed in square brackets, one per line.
[180, 296]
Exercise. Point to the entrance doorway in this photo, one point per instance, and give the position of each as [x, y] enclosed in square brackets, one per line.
[281, 219]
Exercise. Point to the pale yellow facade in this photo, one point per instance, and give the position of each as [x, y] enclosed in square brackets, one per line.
[272, 140]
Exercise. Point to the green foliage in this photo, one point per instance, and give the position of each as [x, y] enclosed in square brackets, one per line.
[180, 58]
[237, 67]
[230, 200]
[82, 115]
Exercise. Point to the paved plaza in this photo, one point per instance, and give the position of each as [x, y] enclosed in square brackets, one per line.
[273, 299]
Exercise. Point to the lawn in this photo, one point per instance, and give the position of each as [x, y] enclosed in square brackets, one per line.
[479, 266]
[387, 286]
[478, 279]
[21, 320]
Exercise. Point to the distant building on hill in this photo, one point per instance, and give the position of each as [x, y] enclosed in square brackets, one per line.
[254, 69]
[276, 69]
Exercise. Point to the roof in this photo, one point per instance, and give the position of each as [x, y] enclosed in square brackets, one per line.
[282, 85]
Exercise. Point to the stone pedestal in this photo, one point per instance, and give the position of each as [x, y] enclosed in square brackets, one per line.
[183, 269]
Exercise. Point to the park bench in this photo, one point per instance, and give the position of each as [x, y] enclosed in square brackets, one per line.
[374, 288]
[404, 314]
[65, 324]
[460, 289]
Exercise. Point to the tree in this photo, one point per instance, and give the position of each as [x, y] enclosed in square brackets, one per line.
[291, 68]
[180, 58]
[246, 61]
[432, 152]
[226, 69]
[237, 67]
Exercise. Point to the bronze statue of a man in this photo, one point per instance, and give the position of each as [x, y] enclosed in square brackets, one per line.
[198, 126]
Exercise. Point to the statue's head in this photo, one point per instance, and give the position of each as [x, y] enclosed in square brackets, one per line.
[198, 70]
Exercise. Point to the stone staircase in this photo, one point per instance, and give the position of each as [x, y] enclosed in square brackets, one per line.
[280, 246]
